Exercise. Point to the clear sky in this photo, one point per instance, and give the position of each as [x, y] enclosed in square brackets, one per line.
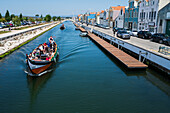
[56, 7]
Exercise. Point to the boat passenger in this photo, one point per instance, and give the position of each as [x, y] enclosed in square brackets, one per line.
[45, 48]
[51, 38]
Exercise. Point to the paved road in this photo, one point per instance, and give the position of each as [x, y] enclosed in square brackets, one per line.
[143, 43]
[13, 32]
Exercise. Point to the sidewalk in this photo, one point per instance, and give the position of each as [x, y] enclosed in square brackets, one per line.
[16, 32]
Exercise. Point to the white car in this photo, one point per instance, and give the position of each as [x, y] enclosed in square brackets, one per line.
[133, 33]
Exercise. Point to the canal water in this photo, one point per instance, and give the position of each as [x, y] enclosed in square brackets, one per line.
[84, 80]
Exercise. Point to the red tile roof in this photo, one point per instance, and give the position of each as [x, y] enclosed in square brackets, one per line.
[92, 12]
[119, 8]
[102, 11]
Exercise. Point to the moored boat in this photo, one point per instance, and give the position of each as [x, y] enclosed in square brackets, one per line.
[41, 60]
[77, 28]
[83, 34]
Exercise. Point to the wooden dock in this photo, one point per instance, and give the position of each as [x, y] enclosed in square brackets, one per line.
[81, 29]
[123, 57]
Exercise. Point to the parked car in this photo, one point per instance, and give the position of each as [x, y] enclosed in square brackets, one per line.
[144, 34]
[3, 25]
[167, 41]
[133, 33]
[119, 29]
[160, 37]
[106, 27]
[128, 30]
[123, 34]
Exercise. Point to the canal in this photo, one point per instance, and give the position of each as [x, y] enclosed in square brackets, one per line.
[84, 80]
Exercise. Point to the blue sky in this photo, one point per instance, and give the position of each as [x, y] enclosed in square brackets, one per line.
[56, 7]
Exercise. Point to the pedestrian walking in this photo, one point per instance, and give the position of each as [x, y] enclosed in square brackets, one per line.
[114, 31]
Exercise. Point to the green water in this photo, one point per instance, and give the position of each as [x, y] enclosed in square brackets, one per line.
[85, 80]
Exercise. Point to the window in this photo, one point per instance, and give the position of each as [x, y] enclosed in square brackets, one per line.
[135, 25]
[149, 15]
[155, 15]
[121, 11]
[160, 24]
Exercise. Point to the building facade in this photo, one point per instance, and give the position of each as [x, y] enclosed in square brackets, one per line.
[147, 16]
[131, 15]
[97, 19]
[164, 17]
[116, 16]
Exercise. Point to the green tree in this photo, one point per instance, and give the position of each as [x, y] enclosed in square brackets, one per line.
[31, 19]
[12, 16]
[38, 19]
[0, 15]
[41, 17]
[7, 16]
[20, 17]
[54, 18]
[2, 20]
[25, 18]
[37, 15]
[59, 18]
[16, 21]
[48, 18]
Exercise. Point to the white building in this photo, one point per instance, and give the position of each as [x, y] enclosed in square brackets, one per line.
[164, 17]
[97, 19]
[102, 17]
[104, 14]
[147, 18]
[116, 16]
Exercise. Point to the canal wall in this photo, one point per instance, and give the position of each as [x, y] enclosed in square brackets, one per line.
[152, 59]
[12, 42]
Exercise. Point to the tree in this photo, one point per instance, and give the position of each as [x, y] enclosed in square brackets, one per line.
[16, 21]
[25, 18]
[20, 17]
[48, 18]
[54, 18]
[12, 16]
[41, 17]
[31, 19]
[2, 20]
[37, 15]
[38, 19]
[0, 15]
[7, 16]
[59, 18]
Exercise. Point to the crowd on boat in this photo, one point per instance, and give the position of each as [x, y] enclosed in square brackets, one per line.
[44, 51]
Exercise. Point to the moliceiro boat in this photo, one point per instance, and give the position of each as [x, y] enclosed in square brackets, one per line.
[42, 58]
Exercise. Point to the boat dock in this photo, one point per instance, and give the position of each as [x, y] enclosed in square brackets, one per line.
[123, 57]
[81, 29]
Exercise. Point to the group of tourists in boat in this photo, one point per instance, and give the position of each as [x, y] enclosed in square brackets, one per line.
[42, 57]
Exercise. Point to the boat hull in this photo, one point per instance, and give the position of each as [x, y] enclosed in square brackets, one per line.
[37, 68]
[62, 28]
